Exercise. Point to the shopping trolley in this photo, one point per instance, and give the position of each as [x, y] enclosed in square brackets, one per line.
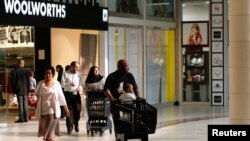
[98, 110]
[134, 120]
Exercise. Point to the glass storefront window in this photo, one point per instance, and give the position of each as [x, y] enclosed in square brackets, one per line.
[16, 42]
[160, 9]
[126, 43]
[160, 66]
[125, 7]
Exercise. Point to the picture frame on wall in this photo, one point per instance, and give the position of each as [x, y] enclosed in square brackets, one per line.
[217, 9]
[217, 99]
[217, 73]
[217, 59]
[217, 34]
[217, 86]
[217, 21]
[217, 46]
[195, 33]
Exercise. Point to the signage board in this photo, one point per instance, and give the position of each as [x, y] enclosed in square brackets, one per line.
[52, 14]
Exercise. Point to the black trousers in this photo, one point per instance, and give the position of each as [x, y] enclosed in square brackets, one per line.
[74, 105]
[23, 108]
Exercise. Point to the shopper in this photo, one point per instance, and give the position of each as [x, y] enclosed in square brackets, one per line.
[113, 87]
[94, 81]
[21, 85]
[59, 70]
[50, 97]
[72, 84]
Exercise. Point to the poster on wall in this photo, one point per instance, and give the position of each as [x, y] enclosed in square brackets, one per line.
[3, 35]
[217, 86]
[217, 73]
[217, 46]
[217, 99]
[217, 8]
[195, 33]
[16, 36]
[217, 34]
[217, 59]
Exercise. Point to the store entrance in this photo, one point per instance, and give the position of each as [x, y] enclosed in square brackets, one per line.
[89, 53]
[69, 45]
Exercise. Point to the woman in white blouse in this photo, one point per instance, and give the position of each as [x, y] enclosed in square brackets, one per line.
[50, 98]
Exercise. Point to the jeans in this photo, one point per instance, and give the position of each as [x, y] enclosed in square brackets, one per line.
[23, 107]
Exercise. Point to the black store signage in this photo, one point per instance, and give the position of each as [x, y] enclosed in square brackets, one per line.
[51, 14]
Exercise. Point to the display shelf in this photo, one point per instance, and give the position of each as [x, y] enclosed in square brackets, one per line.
[196, 68]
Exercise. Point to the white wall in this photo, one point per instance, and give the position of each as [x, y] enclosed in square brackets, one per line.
[64, 46]
[195, 13]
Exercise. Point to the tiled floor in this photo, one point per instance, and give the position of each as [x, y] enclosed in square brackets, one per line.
[175, 123]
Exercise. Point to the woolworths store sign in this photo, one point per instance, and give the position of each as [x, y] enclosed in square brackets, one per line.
[49, 14]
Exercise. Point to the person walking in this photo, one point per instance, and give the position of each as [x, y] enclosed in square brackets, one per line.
[115, 82]
[72, 84]
[113, 87]
[94, 81]
[21, 85]
[59, 70]
[50, 98]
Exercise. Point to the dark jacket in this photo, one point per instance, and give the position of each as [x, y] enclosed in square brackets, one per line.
[20, 81]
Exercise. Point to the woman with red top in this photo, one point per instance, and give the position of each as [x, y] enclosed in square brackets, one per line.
[195, 37]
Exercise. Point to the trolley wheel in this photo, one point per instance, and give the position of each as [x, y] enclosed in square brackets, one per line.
[110, 131]
[92, 133]
[88, 132]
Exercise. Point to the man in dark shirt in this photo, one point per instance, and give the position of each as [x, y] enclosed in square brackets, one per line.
[21, 85]
[114, 83]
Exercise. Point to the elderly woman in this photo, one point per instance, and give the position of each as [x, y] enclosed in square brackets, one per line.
[50, 98]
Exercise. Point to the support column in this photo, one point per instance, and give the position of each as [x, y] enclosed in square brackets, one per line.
[239, 61]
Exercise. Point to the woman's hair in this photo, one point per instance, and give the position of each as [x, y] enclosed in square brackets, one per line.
[60, 68]
[60, 72]
[67, 67]
[92, 78]
[195, 25]
[50, 68]
[31, 73]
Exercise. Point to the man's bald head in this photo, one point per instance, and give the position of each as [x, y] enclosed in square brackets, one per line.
[122, 66]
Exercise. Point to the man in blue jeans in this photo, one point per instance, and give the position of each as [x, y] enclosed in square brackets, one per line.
[21, 85]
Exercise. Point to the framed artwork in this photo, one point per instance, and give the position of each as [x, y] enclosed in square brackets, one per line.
[217, 34]
[217, 21]
[217, 86]
[217, 8]
[217, 72]
[195, 33]
[217, 98]
[217, 59]
[217, 46]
